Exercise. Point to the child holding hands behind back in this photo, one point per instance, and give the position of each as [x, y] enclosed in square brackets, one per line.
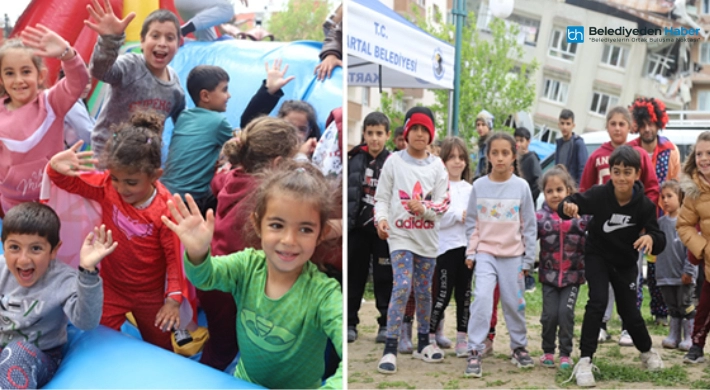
[620, 212]
[287, 308]
[30, 276]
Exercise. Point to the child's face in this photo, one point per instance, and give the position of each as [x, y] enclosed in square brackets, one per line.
[290, 231]
[418, 138]
[623, 178]
[482, 128]
[135, 188]
[27, 257]
[400, 143]
[522, 144]
[702, 157]
[159, 46]
[455, 164]
[20, 77]
[566, 126]
[618, 129]
[669, 200]
[375, 138]
[555, 191]
[300, 120]
[501, 157]
[216, 99]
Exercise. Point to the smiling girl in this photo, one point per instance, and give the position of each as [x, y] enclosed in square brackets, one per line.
[132, 202]
[287, 308]
[32, 119]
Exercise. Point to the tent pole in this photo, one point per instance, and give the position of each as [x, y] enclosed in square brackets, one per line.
[459, 12]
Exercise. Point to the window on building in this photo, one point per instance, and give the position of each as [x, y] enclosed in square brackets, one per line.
[529, 28]
[555, 90]
[601, 102]
[399, 105]
[559, 46]
[365, 96]
[706, 6]
[704, 100]
[705, 52]
[657, 64]
[484, 17]
[615, 56]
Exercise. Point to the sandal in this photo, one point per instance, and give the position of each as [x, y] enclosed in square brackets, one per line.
[388, 364]
[430, 354]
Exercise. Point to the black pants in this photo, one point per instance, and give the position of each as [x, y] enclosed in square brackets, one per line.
[624, 281]
[451, 274]
[364, 246]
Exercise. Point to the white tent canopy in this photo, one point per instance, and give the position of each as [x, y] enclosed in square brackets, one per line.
[384, 45]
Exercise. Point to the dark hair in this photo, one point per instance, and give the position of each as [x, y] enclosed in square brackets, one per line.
[447, 147]
[136, 145]
[300, 180]
[559, 171]
[160, 16]
[264, 139]
[376, 118]
[399, 131]
[645, 110]
[304, 107]
[522, 132]
[567, 114]
[16, 44]
[626, 155]
[674, 185]
[691, 165]
[32, 218]
[204, 77]
[506, 137]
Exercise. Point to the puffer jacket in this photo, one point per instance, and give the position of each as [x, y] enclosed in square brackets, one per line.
[561, 248]
[358, 163]
[694, 214]
[333, 43]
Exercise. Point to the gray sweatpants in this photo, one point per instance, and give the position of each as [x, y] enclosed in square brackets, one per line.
[679, 300]
[507, 272]
[205, 14]
[558, 312]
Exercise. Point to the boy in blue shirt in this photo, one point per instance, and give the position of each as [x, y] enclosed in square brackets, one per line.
[198, 137]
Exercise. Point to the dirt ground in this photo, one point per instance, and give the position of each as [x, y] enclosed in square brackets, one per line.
[620, 365]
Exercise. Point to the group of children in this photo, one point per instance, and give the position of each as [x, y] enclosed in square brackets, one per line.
[437, 232]
[263, 200]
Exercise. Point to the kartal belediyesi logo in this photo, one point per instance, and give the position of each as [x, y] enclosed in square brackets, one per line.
[575, 34]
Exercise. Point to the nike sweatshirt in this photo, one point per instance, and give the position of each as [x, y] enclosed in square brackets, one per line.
[613, 229]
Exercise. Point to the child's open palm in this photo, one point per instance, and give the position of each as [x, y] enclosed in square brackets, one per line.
[194, 232]
[97, 245]
[46, 42]
[106, 22]
[72, 163]
[275, 76]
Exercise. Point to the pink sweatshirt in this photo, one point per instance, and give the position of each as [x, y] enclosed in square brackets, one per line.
[33, 133]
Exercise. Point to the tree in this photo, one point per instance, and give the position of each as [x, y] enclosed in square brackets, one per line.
[492, 77]
[396, 117]
[302, 20]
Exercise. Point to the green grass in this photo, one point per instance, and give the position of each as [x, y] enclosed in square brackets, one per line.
[395, 385]
[675, 376]
[452, 384]
[496, 383]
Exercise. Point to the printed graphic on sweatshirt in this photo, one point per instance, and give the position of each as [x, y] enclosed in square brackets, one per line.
[616, 222]
[414, 222]
[129, 226]
[264, 334]
[498, 210]
[19, 313]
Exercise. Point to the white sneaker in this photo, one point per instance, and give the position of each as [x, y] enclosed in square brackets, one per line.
[583, 373]
[625, 340]
[651, 360]
[603, 336]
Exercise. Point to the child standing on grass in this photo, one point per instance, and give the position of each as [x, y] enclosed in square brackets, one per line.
[411, 196]
[287, 308]
[138, 81]
[674, 273]
[31, 118]
[695, 183]
[500, 224]
[132, 201]
[451, 272]
[620, 213]
[561, 266]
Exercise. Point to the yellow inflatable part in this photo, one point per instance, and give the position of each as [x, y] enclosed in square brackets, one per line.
[142, 8]
[131, 319]
[199, 338]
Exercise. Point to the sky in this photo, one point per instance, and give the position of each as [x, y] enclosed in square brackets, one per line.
[13, 8]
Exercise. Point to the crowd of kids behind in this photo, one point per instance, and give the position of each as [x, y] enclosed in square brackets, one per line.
[426, 231]
[267, 195]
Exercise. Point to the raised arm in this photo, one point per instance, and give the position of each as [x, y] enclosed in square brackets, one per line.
[111, 29]
[268, 95]
[65, 168]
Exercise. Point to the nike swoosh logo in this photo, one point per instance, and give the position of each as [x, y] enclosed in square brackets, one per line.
[608, 229]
